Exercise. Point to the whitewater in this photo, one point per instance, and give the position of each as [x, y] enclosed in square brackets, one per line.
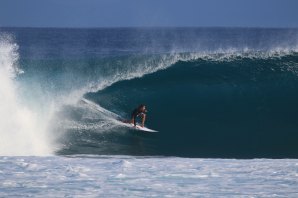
[224, 101]
[21, 134]
[125, 176]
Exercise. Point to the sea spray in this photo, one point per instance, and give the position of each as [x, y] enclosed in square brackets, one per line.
[22, 132]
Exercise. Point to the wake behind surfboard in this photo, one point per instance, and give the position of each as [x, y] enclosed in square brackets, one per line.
[118, 119]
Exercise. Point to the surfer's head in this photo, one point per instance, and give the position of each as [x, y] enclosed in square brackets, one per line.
[142, 107]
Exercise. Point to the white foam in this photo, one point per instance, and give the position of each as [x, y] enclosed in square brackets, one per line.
[21, 130]
[128, 176]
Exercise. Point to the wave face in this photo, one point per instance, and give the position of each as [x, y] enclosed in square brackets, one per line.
[223, 108]
[215, 92]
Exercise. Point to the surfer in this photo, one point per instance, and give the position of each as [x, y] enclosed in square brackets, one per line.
[138, 112]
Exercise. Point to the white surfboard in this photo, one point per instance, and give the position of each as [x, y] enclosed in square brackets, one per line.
[138, 127]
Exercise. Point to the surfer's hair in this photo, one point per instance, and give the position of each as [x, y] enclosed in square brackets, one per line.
[141, 105]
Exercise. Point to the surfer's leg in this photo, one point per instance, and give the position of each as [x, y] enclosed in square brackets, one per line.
[143, 119]
[133, 118]
[132, 121]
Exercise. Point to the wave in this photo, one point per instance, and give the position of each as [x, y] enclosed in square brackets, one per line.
[227, 101]
[138, 66]
[203, 106]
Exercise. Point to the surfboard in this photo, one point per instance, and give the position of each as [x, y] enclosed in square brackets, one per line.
[138, 127]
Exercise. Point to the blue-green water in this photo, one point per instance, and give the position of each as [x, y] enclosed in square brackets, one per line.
[210, 92]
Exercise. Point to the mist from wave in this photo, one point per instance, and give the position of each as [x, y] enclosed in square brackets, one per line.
[23, 131]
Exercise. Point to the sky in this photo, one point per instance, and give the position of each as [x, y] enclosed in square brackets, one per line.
[149, 13]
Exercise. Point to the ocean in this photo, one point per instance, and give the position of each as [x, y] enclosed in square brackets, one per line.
[224, 100]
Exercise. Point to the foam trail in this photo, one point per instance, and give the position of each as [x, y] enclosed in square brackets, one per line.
[21, 131]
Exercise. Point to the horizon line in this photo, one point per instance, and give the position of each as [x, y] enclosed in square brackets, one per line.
[144, 27]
